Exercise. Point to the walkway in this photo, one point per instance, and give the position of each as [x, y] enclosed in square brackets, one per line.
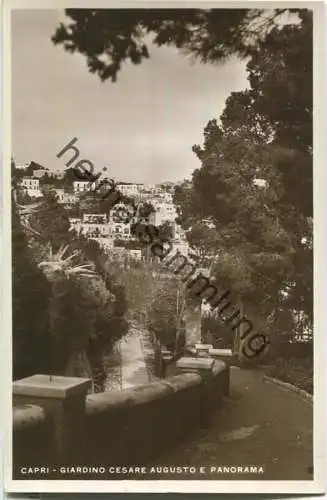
[134, 371]
[260, 424]
[126, 363]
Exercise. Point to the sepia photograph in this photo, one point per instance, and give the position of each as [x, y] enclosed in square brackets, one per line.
[161, 189]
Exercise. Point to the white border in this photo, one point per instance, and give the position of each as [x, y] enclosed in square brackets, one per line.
[180, 486]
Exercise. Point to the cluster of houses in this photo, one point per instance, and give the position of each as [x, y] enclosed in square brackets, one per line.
[113, 230]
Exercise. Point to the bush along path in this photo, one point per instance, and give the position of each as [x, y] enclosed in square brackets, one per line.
[261, 425]
[297, 372]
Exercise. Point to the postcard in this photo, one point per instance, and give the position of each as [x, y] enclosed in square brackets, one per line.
[162, 235]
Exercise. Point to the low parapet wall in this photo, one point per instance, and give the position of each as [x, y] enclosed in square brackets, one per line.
[32, 436]
[136, 425]
[131, 427]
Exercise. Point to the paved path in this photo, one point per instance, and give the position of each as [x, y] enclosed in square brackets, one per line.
[134, 371]
[126, 364]
[260, 424]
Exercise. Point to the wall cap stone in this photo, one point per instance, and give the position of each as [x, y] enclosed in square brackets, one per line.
[107, 401]
[201, 364]
[115, 400]
[57, 387]
[203, 347]
[149, 392]
[221, 352]
[183, 381]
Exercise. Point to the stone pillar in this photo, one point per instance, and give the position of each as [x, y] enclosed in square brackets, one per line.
[192, 317]
[203, 350]
[63, 401]
[225, 355]
[213, 379]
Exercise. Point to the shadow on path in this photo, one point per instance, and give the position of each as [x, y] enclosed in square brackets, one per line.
[261, 425]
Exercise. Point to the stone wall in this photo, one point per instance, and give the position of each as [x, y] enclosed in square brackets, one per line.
[32, 437]
[132, 427]
[137, 425]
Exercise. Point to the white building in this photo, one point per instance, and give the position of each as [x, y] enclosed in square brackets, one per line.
[107, 244]
[129, 189]
[65, 198]
[124, 254]
[90, 229]
[181, 247]
[95, 218]
[135, 254]
[150, 188]
[260, 182]
[95, 229]
[59, 174]
[165, 212]
[120, 231]
[24, 166]
[83, 186]
[31, 187]
[40, 173]
[179, 233]
[122, 213]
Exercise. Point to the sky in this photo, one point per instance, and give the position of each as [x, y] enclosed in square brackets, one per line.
[142, 128]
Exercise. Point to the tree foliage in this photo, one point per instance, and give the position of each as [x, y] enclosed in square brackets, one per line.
[145, 210]
[165, 316]
[109, 37]
[51, 222]
[216, 333]
[165, 231]
[249, 205]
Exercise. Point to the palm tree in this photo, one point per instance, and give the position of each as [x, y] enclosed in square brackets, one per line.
[57, 264]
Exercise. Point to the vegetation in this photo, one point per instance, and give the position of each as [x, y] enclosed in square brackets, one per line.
[32, 347]
[257, 240]
[248, 208]
[165, 316]
[67, 308]
[295, 371]
[144, 211]
[215, 332]
[165, 231]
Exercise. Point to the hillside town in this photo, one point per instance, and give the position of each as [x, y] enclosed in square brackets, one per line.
[109, 230]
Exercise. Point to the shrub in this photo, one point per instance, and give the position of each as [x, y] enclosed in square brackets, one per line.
[298, 372]
[163, 314]
[31, 341]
